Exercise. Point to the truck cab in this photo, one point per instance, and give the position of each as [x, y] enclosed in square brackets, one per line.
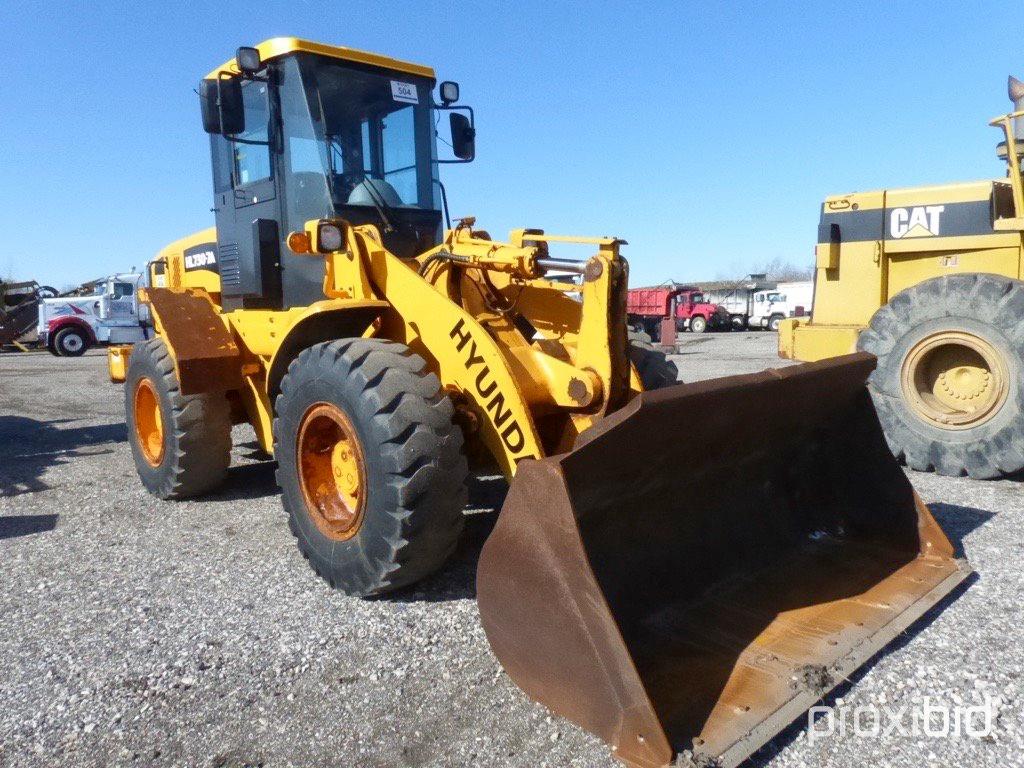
[110, 314]
[771, 307]
[695, 312]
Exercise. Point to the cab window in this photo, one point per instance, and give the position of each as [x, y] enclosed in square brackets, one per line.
[252, 160]
[123, 290]
[398, 147]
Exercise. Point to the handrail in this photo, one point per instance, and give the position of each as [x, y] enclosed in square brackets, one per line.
[1012, 158]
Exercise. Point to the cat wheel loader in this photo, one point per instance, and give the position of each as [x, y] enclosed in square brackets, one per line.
[685, 609]
[930, 280]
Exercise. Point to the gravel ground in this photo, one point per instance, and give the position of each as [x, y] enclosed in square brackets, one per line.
[136, 631]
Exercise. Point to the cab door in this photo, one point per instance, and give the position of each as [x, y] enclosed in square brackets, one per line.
[246, 204]
[117, 304]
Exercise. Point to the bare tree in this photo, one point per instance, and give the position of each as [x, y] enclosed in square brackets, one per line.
[776, 269]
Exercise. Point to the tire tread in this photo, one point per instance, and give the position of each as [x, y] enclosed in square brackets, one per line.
[424, 467]
[986, 299]
[201, 426]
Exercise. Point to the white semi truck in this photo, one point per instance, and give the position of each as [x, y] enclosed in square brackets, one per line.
[69, 325]
[785, 300]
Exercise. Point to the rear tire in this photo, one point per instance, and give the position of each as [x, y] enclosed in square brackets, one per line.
[698, 324]
[70, 342]
[181, 443]
[652, 365]
[948, 386]
[402, 519]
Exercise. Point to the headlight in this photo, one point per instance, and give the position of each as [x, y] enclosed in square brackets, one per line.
[329, 237]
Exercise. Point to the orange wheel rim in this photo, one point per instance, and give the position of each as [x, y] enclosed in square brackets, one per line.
[332, 471]
[149, 424]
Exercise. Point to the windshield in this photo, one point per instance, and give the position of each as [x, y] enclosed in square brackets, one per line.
[697, 298]
[358, 143]
[372, 134]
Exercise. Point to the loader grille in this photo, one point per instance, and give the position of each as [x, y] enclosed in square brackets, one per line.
[230, 269]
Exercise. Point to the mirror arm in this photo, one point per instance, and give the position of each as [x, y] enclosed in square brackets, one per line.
[235, 140]
[457, 108]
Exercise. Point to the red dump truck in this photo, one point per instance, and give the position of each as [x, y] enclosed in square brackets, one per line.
[648, 308]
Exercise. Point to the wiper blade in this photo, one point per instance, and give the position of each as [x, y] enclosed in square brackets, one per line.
[379, 203]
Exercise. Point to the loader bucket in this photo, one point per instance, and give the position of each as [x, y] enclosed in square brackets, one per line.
[709, 561]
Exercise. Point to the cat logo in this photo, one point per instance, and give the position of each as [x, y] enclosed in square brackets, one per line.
[923, 221]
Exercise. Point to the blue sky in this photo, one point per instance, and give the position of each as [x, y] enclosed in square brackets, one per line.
[706, 134]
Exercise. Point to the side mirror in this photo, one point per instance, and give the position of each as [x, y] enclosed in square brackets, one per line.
[463, 136]
[221, 102]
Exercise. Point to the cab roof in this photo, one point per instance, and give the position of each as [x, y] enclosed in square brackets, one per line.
[282, 46]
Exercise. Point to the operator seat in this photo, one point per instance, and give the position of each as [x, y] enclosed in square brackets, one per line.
[371, 191]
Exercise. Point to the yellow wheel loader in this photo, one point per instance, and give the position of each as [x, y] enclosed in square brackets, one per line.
[931, 281]
[683, 609]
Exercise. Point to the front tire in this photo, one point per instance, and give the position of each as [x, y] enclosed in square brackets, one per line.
[698, 324]
[948, 386]
[181, 444]
[70, 342]
[370, 464]
[774, 322]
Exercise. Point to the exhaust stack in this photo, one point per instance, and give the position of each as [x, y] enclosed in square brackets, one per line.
[1015, 89]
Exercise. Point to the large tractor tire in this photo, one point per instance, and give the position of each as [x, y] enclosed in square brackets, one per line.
[70, 342]
[948, 387]
[652, 365]
[370, 464]
[181, 443]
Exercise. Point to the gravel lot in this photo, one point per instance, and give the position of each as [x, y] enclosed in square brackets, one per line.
[134, 631]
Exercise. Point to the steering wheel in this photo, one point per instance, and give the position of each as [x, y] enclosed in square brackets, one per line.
[344, 183]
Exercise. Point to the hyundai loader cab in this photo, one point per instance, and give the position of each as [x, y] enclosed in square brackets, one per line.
[680, 608]
[320, 137]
